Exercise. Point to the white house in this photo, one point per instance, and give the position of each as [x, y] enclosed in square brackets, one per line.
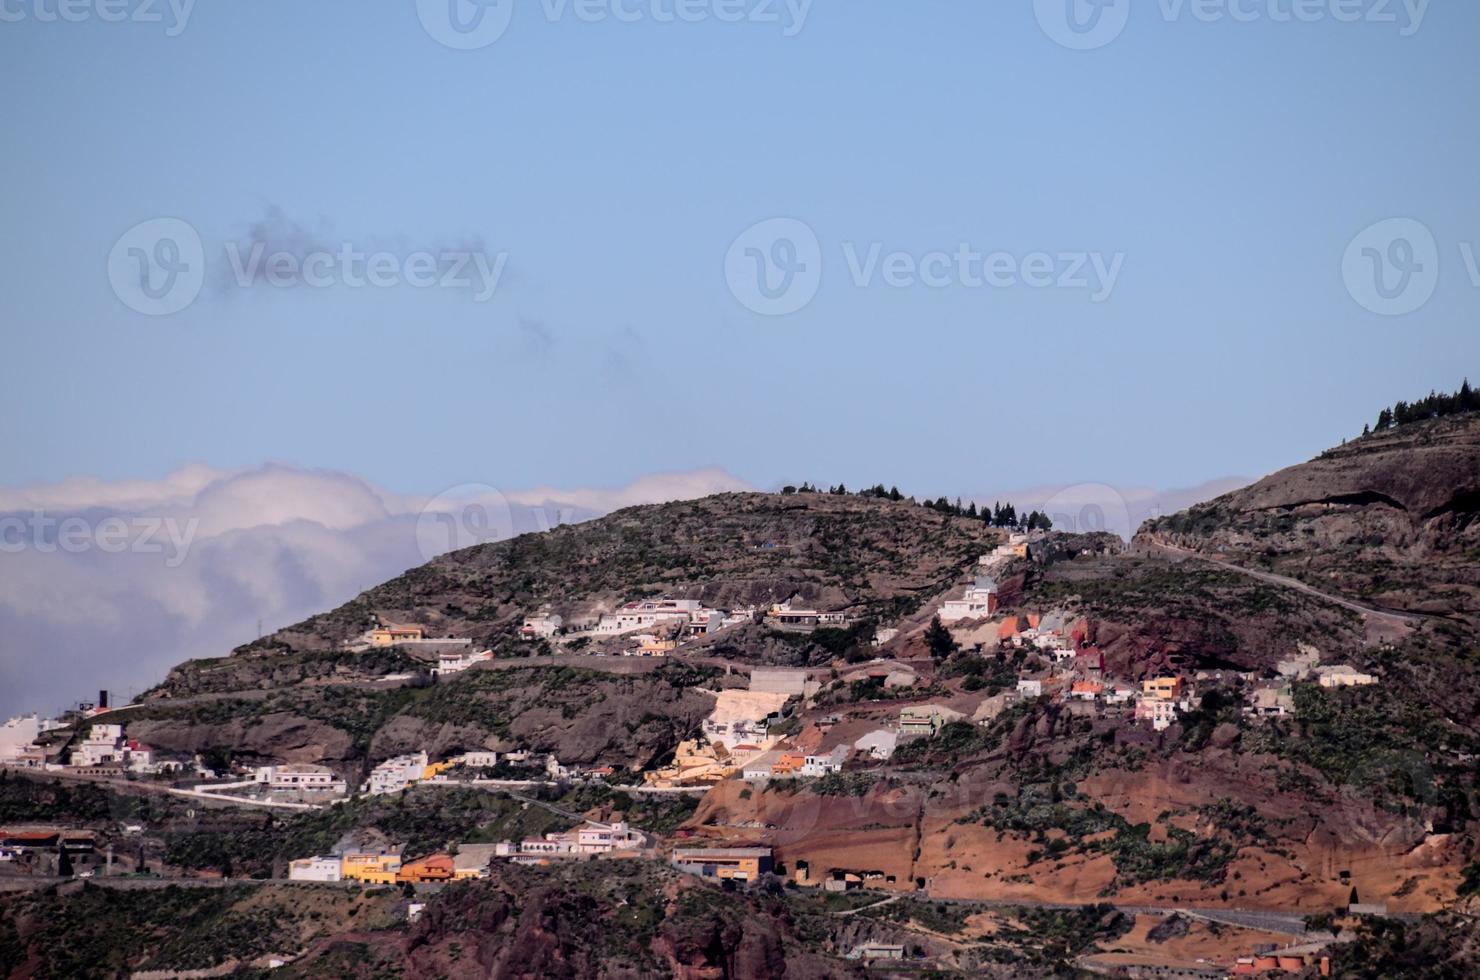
[648, 614]
[326, 868]
[822, 763]
[979, 602]
[104, 744]
[394, 775]
[18, 736]
[596, 838]
[480, 760]
[1030, 688]
[540, 627]
[1161, 712]
[301, 777]
[457, 661]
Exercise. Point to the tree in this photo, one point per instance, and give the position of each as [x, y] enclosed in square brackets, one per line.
[939, 639]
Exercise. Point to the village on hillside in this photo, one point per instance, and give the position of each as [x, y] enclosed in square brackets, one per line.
[768, 726]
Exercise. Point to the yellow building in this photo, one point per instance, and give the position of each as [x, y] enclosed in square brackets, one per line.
[436, 769]
[693, 763]
[375, 869]
[389, 636]
[1162, 688]
[740, 863]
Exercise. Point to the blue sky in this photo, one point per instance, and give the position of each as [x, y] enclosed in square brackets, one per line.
[1228, 164]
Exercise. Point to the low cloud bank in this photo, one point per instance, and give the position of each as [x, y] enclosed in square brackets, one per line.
[107, 584]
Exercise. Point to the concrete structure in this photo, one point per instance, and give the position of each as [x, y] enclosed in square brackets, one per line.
[1030, 688]
[540, 627]
[781, 680]
[479, 760]
[1272, 702]
[472, 860]
[740, 863]
[869, 952]
[1307, 660]
[326, 868]
[762, 767]
[742, 716]
[878, 745]
[1343, 675]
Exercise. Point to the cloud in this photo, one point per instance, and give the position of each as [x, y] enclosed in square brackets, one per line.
[108, 584]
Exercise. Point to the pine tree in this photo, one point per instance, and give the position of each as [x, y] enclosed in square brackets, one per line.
[939, 640]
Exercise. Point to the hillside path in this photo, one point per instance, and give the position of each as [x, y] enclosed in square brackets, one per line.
[1388, 617]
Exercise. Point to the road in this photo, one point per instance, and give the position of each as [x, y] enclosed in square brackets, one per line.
[1388, 616]
[1268, 920]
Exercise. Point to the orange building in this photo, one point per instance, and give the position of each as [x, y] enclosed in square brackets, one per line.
[788, 764]
[1162, 688]
[375, 869]
[434, 867]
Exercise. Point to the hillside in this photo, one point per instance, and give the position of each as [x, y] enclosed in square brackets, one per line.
[297, 696]
[1364, 558]
[1388, 519]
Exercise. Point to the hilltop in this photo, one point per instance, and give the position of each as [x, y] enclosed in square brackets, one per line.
[866, 556]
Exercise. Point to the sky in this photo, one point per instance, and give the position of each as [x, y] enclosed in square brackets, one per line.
[614, 162]
[952, 247]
